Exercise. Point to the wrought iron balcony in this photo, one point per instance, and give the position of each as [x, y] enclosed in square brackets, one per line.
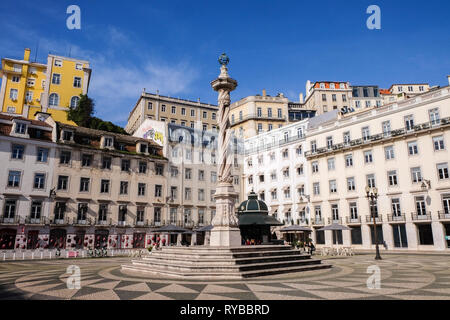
[417, 216]
[444, 215]
[188, 224]
[302, 222]
[378, 219]
[60, 221]
[333, 220]
[122, 224]
[86, 222]
[255, 116]
[398, 217]
[379, 137]
[141, 223]
[353, 220]
[11, 220]
[36, 221]
[318, 221]
[103, 222]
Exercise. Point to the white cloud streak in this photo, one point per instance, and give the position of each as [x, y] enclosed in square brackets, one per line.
[117, 78]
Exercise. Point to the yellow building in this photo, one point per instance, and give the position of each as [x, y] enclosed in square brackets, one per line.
[29, 87]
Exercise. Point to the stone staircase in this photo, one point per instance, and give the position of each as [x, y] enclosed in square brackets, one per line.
[224, 263]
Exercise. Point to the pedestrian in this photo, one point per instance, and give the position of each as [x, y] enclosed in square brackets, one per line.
[312, 248]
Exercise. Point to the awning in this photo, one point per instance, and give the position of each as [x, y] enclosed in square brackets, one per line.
[335, 227]
[205, 228]
[295, 229]
[171, 228]
[247, 219]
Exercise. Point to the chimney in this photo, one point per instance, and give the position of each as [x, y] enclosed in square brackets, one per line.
[300, 98]
[26, 54]
[448, 78]
[264, 93]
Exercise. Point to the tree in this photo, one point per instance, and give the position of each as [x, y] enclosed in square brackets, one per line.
[82, 115]
[83, 112]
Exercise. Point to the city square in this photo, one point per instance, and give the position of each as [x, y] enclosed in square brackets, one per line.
[403, 277]
[211, 168]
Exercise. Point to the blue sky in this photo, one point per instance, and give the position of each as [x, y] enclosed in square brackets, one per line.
[173, 46]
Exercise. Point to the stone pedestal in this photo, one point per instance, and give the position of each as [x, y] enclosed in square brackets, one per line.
[225, 232]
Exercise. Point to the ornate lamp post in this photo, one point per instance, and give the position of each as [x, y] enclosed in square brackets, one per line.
[372, 196]
[225, 230]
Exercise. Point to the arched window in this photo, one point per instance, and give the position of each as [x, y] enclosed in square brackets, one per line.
[53, 100]
[74, 101]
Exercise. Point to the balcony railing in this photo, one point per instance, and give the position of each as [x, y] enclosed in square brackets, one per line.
[57, 221]
[302, 222]
[444, 215]
[254, 116]
[81, 222]
[36, 221]
[353, 220]
[103, 222]
[11, 220]
[396, 217]
[380, 136]
[318, 222]
[369, 219]
[141, 223]
[415, 216]
[188, 224]
[333, 220]
[122, 224]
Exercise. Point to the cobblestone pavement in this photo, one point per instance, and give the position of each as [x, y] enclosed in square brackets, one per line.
[402, 277]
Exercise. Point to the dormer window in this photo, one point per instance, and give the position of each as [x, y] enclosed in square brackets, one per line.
[332, 86]
[342, 86]
[21, 128]
[108, 142]
[143, 148]
[322, 86]
[122, 147]
[67, 135]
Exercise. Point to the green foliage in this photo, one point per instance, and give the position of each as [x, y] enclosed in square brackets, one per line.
[82, 115]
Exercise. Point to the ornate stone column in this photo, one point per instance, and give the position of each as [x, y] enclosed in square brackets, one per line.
[225, 230]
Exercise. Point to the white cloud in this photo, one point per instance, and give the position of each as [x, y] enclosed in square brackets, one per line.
[118, 73]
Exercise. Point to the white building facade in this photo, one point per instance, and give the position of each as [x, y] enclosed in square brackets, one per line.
[402, 149]
[276, 169]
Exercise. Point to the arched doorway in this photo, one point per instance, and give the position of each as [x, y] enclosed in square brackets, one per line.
[57, 239]
[7, 239]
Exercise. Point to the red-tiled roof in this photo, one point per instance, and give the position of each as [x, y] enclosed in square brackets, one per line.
[33, 122]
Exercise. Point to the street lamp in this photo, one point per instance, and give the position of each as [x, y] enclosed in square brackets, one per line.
[372, 195]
